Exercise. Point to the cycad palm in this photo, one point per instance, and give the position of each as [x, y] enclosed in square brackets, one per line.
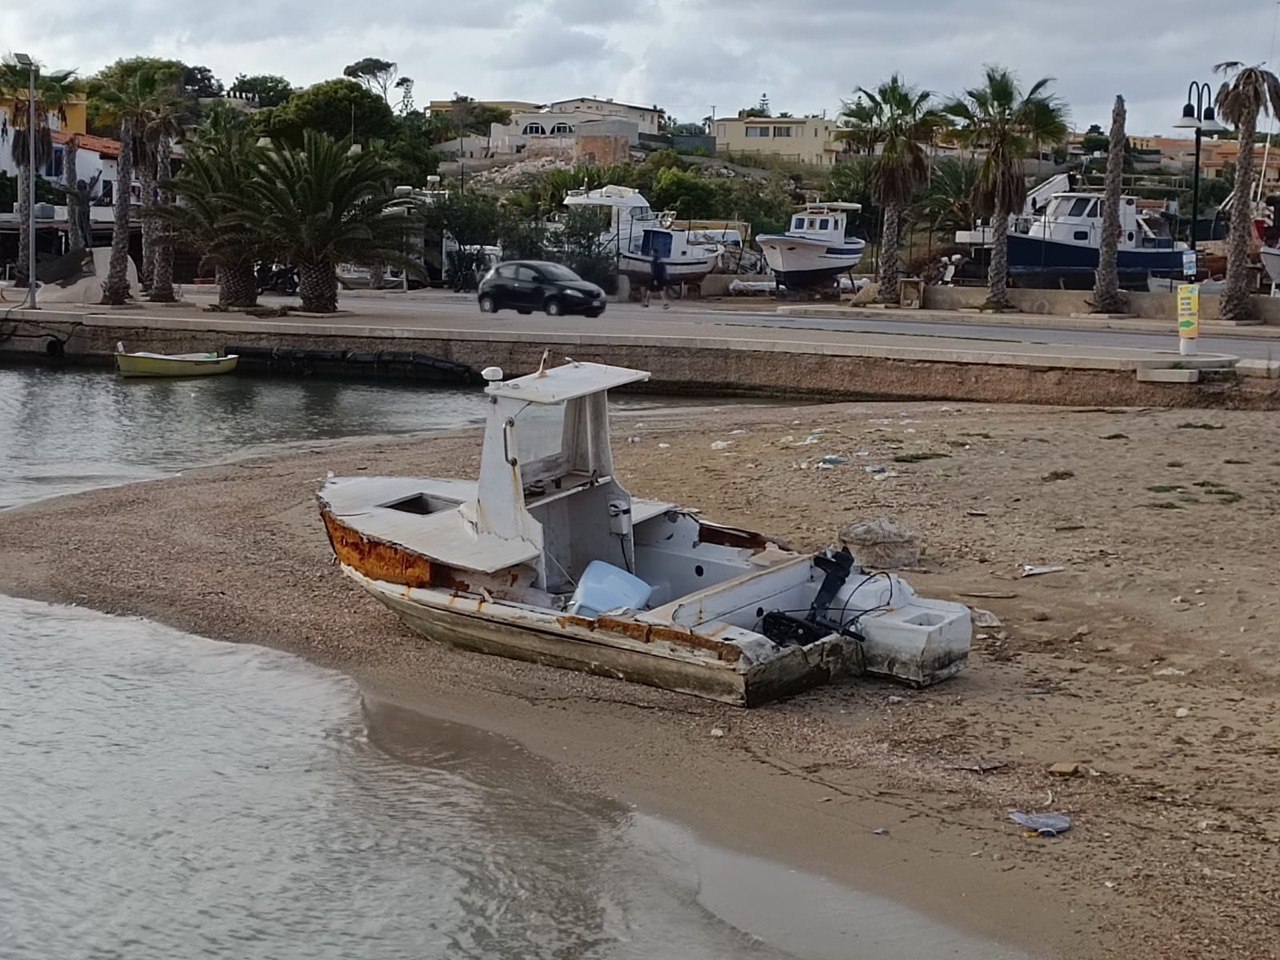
[1248, 92]
[52, 91]
[895, 118]
[220, 161]
[1008, 125]
[948, 202]
[316, 206]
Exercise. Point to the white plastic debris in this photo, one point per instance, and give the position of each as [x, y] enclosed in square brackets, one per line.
[721, 444]
[1028, 570]
[1182, 713]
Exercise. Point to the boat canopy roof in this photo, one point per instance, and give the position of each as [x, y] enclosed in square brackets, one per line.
[607, 196]
[566, 382]
[834, 205]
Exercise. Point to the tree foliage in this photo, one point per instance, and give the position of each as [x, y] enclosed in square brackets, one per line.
[1094, 140]
[200, 82]
[269, 89]
[376, 74]
[339, 109]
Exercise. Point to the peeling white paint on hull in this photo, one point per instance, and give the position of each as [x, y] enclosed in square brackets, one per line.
[500, 630]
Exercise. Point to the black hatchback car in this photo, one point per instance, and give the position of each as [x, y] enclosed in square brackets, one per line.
[529, 285]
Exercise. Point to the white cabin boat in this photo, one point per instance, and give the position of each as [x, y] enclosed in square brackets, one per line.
[548, 558]
[816, 249]
[635, 234]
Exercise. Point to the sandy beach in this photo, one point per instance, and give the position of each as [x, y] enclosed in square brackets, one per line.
[1150, 660]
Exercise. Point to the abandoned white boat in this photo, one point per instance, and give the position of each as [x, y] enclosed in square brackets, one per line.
[547, 558]
[636, 234]
[817, 248]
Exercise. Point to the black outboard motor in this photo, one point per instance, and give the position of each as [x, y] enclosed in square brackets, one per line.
[836, 567]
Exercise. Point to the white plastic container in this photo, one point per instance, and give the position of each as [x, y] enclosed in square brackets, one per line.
[604, 587]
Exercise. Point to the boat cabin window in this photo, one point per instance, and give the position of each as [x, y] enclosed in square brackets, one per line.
[799, 224]
[539, 433]
[1093, 210]
[813, 223]
[824, 223]
[1078, 206]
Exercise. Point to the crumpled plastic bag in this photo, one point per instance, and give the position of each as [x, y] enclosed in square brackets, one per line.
[1045, 824]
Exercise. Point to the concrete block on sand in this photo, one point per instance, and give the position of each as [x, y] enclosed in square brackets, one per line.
[1268, 369]
[1169, 376]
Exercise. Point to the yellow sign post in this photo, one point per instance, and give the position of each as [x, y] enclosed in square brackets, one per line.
[1188, 317]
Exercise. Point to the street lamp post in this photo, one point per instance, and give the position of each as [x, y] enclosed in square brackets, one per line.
[1197, 114]
[25, 61]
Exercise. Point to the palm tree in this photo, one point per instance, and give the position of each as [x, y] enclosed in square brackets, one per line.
[1106, 291]
[163, 126]
[52, 91]
[897, 119]
[1008, 125]
[948, 201]
[319, 205]
[221, 159]
[1246, 93]
[125, 106]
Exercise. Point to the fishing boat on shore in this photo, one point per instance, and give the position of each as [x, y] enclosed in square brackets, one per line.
[816, 250]
[636, 234]
[142, 364]
[548, 558]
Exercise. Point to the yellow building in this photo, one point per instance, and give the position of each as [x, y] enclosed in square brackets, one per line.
[76, 122]
[798, 139]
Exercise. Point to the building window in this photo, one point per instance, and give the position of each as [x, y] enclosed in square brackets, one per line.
[757, 132]
[561, 129]
[782, 131]
[534, 130]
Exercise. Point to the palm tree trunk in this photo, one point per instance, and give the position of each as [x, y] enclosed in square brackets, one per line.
[887, 276]
[147, 180]
[998, 272]
[76, 239]
[1237, 305]
[162, 267]
[116, 290]
[1106, 291]
[24, 206]
[237, 285]
[318, 286]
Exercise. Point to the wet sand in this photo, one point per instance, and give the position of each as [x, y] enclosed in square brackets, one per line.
[1168, 601]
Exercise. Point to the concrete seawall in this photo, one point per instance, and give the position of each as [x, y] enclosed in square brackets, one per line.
[735, 360]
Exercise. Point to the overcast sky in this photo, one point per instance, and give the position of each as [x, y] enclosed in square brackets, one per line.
[684, 55]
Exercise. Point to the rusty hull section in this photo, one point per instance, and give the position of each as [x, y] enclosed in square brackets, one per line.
[383, 561]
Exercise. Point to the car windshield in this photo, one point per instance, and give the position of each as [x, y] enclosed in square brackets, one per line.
[553, 271]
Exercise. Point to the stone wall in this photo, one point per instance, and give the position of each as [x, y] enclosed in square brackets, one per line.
[704, 371]
[1063, 303]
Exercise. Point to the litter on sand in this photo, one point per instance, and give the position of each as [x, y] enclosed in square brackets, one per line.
[984, 618]
[1031, 571]
[1042, 824]
[721, 444]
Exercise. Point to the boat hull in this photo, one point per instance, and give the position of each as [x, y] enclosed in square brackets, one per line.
[686, 270]
[576, 643]
[798, 262]
[133, 365]
[1031, 255]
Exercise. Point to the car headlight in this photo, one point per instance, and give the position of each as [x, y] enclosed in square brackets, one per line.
[575, 293]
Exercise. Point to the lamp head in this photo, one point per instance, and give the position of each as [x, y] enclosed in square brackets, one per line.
[1188, 119]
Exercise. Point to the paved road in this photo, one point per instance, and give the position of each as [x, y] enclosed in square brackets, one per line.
[460, 307]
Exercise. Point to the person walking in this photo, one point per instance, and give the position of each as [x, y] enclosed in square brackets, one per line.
[657, 281]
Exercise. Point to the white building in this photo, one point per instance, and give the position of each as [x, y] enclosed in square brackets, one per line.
[647, 119]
